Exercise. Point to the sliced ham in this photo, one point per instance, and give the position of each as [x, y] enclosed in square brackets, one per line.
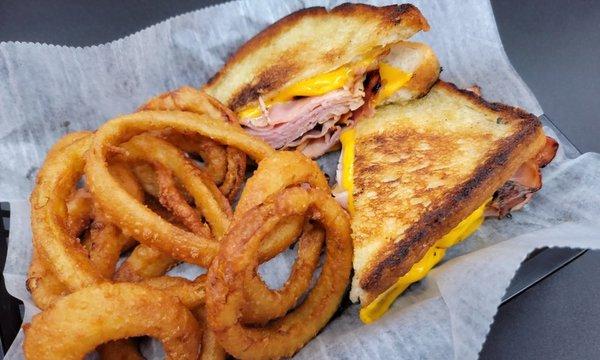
[373, 84]
[519, 189]
[328, 127]
[339, 193]
[315, 147]
[318, 141]
[548, 153]
[310, 120]
[341, 196]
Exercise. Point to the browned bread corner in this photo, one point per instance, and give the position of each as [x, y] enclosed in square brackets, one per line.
[310, 42]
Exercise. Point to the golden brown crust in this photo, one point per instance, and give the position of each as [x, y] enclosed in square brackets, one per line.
[425, 76]
[396, 258]
[290, 64]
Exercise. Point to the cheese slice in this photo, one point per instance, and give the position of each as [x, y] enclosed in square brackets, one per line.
[434, 255]
[392, 79]
[419, 270]
[348, 140]
[313, 86]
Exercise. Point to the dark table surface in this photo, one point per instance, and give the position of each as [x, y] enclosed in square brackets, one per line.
[554, 45]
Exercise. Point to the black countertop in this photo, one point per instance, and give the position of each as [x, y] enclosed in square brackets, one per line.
[559, 318]
[554, 46]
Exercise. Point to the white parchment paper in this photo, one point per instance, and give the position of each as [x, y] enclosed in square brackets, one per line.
[49, 90]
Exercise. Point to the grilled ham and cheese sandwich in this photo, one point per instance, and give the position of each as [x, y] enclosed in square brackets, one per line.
[422, 162]
[419, 177]
[298, 82]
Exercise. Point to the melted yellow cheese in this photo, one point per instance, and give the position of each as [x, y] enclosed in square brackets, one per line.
[313, 86]
[392, 79]
[348, 140]
[250, 111]
[316, 85]
[419, 270]
[434, 255]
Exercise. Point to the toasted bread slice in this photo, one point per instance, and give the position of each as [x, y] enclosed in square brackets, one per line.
[417, 59]
[310, 42]
[422, 167]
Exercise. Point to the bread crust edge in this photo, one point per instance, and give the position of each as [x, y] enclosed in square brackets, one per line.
[488, 177]
[408, 14]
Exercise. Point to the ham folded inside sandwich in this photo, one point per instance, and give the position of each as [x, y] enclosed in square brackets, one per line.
[301, 81]
[311, 124]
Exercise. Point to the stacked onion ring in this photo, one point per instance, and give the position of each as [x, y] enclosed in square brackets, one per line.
[159, 187]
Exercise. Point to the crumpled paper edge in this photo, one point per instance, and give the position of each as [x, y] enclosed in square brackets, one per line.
[124, 38]
[525, 243]
[121, 39]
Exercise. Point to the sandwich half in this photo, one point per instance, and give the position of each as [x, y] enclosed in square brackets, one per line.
[300, 81]
[418, 177]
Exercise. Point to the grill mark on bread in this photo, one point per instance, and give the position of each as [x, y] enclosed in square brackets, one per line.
[387, 143]
[396, 258]
[268, 80]
[332, 55]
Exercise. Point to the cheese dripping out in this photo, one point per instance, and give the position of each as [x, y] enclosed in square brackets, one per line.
[419, 270]
[434, 255]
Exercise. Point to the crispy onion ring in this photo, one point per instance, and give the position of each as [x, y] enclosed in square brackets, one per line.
[79, 210]
[213, 155]
[213, 205]
[292, 168]
[62, 253]
[106, 241]
[211, 350]
[144, 262]
[132, 216]
[79, 322]
[225, 297]
[42, 284]
[172, 199]
[119, 350]
[264, 304]
[197, 101]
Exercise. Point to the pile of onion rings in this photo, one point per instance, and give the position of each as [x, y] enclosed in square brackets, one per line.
[113, 211]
